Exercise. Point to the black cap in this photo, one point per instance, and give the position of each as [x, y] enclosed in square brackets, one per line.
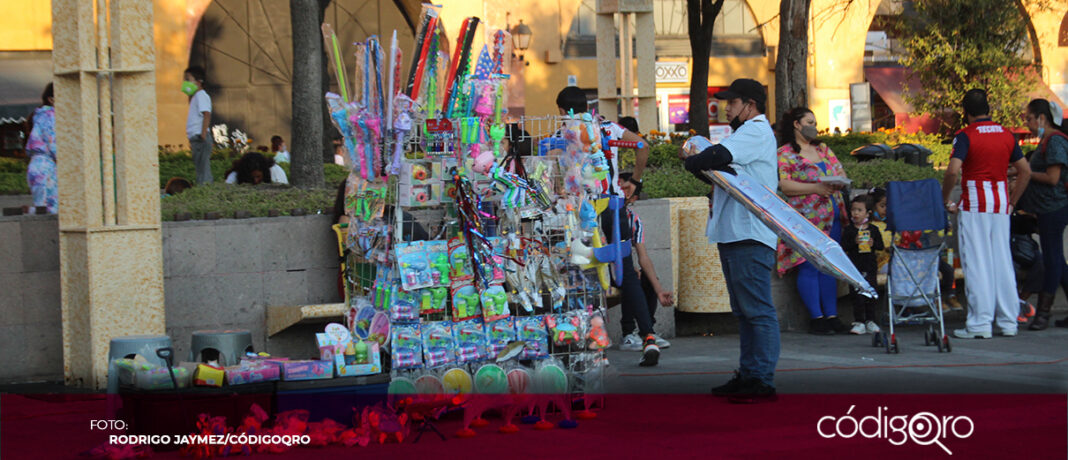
[744, 88]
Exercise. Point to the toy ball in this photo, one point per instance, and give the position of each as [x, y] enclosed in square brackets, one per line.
[483, 163]
[550, 379]
[491, 379]
[519, 381]
[402, 386]
[457, 381]
[429, 385]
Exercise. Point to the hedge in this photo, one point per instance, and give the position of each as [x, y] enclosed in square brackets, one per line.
[257, 200]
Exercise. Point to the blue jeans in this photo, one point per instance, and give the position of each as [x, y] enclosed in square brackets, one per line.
[1051, 237]
[819, 291]
[747, 267]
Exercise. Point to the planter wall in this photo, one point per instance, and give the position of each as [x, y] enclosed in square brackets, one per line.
[217, 275]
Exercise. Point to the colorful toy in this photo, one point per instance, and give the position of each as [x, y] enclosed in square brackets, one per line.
[406, 347]
[617, 250]
[499, 334]
[494, 303]
[565, 329]
[531, 329]
[598, 335]
[438, 344]
[457, 381]
[491, 379]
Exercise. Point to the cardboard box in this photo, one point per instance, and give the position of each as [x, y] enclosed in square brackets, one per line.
[372, 367]
[252, 373]
[307, 370]
[209, 376]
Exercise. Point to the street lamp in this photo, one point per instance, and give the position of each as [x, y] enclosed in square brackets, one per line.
[521, 34]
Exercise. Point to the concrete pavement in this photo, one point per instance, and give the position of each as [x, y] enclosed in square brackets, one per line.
[1032, 362]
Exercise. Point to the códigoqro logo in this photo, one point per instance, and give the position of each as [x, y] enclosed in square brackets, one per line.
[922, 428]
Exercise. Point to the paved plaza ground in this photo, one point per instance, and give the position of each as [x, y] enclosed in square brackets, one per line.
[1031, 362]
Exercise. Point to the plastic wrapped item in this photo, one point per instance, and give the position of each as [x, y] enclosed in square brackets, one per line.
[531, 329]
[406, 348]
[470, 339]
[438, 344]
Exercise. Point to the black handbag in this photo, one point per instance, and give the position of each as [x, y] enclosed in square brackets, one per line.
[1024, 250]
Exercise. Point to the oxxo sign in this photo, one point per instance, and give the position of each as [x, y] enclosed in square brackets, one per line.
[672, 72]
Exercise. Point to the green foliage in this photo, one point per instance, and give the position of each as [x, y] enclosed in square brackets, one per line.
[673, 180]
[13, 165]
[14, 183]
[876, 173]
[258, 200]
[955, 45]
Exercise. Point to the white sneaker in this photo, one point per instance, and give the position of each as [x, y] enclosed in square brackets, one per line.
[858, 329]
[660, 342]
[872, 327]
[631, 342]
[966, 334]
[1007, 332]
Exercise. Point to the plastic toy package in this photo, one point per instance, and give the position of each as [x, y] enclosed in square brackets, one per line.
[498, 335]
[406, 348]
[438, 344]
[432, 300]
[415, 271]
[567, 329]
[459, 260]
[437, 255]
[404, 307]
[531, 329]
[470, 338]
[494, 303]
[466, 301]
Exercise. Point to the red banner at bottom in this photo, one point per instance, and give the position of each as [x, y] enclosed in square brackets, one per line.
[620, 426]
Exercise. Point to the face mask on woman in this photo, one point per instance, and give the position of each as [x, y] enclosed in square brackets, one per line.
[809, 132]
[189, 88]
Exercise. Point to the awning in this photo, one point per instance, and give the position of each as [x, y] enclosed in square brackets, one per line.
[23, 77]
[887, 81]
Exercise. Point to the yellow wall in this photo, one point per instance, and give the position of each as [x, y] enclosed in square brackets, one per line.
[837, 35]
[25, 25]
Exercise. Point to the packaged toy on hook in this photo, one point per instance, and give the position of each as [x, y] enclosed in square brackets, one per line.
[494, 303]
[438, 256]
[466, 301]
[438, 344]
[499, 334]
[470, 340]
[406, 349]
[531, 329]
[415, 271]
[404, 307]
[432, 300]
[566, 329]
[459, 260]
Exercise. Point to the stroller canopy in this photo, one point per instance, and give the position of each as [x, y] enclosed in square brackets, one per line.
[915, 205]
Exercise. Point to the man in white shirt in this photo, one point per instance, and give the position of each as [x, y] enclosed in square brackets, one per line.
[197, 123]
[746, 246]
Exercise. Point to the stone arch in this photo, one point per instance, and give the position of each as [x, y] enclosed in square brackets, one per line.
[246, 48]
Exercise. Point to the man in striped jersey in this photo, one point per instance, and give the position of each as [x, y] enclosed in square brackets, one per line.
[983, 152]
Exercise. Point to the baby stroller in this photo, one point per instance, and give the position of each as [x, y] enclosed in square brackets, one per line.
[912, 280]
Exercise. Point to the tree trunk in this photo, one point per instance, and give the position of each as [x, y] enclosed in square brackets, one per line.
[701, 16]
[791, 65]
[308, 101]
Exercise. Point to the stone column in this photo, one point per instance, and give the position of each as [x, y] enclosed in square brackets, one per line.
[111, 261]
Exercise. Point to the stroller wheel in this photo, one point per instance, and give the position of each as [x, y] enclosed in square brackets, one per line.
[938, 343]
[945, 343]
[894, 345]
[877, 339]
[927, 337]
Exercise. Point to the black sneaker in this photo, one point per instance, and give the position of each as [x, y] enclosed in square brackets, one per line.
[650, 352]
[731, 387]
[819, 326]
[754, 391]
[836, 325]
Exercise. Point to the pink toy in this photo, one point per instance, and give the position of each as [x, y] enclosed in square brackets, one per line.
[598, 336]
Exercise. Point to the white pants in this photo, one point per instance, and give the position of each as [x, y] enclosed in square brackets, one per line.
[990, 283]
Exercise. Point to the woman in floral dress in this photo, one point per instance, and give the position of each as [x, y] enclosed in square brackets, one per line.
[41, 146]
[802, 162]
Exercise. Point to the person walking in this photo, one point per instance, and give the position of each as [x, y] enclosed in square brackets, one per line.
[746, 246]
[197, 123]
[41, 146]
[982, 153]
[1047, 199]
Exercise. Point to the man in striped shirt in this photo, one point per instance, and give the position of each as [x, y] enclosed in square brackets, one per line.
[983, 152]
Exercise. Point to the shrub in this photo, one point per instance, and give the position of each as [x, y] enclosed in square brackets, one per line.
[13, 165]
[14, 183]
[876, 173]
[673, 180]
[258, 200]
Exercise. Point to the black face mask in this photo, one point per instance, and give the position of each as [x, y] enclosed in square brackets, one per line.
[736, 123]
